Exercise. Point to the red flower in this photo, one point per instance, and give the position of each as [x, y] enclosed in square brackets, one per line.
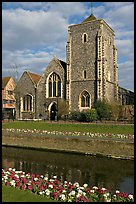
[30, 187]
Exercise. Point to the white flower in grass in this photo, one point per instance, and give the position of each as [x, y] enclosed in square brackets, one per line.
[80, 192]
[84, 193]
[76, 184]
[16, 175]
[103, 189]
[41, 176]
[117, 191]
[50, 186]
[130, 196]
[35, 179]
[47, 191]
[85, 185]
[51, 180]
[62, 196]
[78, 195]
[72, 193]
[54, 177]
[40, 192]
[82, 188]
[12, 183]
[10, 169]
[46, 178]
[95, 187]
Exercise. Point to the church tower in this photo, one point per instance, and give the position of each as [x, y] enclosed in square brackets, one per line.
[91, 58]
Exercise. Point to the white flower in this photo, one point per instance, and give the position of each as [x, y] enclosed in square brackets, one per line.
[50, 186]
[62, 196]
[117, 191]
[54, 177]
[80, 192]
[103, 189]
[85, 185]
[51, 180]
[40, 192]
[47, 191]
[12, 183]
[76, 184]
[72, 193]
[92, 191]
[46, 178]
[130, 196]
[95, 187]
[10, 169]
[35, 179]
[78, 195]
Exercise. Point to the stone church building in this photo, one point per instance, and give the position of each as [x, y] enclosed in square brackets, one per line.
[89, 73]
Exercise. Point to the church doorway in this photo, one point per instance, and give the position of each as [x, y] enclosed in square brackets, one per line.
[53, 112]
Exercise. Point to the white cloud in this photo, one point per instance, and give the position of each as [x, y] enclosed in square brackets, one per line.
[33, 32]
[30, 29]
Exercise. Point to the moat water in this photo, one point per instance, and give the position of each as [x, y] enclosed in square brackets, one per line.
[113, 174]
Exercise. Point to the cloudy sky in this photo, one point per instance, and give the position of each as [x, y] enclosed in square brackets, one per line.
[33, 32]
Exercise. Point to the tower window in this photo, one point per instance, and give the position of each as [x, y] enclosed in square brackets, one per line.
[84, 75]
[84, 38]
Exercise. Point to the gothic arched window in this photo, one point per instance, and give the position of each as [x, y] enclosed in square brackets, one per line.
[54, 85]
[27, 103]
[85, 99]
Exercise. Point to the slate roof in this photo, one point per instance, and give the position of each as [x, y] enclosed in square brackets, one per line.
[63, 64]
[90, 18]
[35, 77]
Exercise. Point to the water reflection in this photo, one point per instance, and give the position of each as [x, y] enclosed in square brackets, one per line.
[110, 173]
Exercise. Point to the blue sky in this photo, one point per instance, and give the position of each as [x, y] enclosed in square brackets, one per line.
[33, 32]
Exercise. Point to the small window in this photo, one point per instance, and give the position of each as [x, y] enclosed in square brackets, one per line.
[84, 74]
[84, 38]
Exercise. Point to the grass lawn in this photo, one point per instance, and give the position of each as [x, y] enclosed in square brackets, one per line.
[11, 194]
[73, 127]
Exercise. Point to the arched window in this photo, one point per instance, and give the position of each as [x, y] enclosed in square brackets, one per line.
[85, 99]
[54, 85]
[27, 103]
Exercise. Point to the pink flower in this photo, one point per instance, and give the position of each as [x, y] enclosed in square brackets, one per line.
[24, 187]
[30, 187]
[42, 188]
[55, 195]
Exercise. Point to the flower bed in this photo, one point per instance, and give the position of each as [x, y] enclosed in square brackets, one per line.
[63, 192]
[67, 133]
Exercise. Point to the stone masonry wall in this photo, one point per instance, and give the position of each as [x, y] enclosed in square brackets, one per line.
[25, 86]
[43, 101]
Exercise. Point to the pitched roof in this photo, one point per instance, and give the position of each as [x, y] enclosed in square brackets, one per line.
[35, 77]
[5, 81]
[90, 18]
[63, 64]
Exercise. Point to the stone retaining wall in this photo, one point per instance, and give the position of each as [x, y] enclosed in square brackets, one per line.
[109, 148]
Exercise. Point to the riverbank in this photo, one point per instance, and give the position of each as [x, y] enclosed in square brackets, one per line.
[115, 148]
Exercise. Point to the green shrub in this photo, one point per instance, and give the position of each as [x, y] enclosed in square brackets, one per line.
[91, 115]
[104, 110]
